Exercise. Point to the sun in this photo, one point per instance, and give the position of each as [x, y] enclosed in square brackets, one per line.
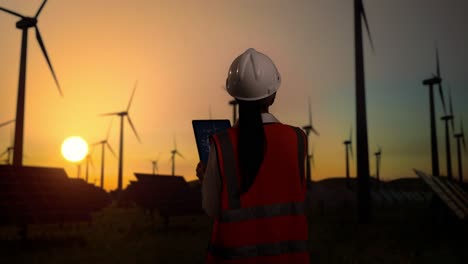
[74, 148]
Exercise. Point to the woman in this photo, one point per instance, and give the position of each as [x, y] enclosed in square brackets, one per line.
[254, 183]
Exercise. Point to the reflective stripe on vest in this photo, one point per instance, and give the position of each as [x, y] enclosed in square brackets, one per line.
[270, 249]
[265, 211]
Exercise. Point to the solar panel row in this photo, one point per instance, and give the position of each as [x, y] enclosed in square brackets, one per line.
[449, 192]
[169, 195]
[389, 196]
[37, 195]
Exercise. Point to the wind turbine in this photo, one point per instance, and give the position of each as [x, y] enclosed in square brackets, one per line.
[24, 24]
[378, 156]
[348, 148]
[308, 128]
[103, 144]
[435, 80]
[234, 104]
[9, 149]
[89, 160]
[155, 164]
[173, 153]
[122, 115]
[363, 190]
[447, 118]
[7, 152]
[460, 137]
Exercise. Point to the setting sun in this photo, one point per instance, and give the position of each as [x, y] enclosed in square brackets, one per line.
[74, 149]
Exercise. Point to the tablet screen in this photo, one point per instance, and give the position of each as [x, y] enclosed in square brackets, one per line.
[203, 129]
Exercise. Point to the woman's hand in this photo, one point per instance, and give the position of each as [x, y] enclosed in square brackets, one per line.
[200, 170]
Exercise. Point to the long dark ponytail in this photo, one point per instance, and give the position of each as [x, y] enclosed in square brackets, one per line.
[251, 143]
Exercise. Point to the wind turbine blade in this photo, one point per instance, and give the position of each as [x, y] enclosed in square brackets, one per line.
[463, 135]
[363, 13]
[108, 114]
[310, 112]
[451, 109]
[3, 153]
[178, 153]
[6, 123]
[133, 128]
[315, 131]
[131, 97]
[44, 51]
[442, 98]
[11, 12]
[441, 92]
[110, 148]
[351, 134]
[40, 8]
[108, 130]
[437, 61]
[351, 150]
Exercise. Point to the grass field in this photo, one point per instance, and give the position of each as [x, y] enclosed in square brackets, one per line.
[127, 235]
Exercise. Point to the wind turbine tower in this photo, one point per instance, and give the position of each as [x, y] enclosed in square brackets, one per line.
[446, 119]
[363, 191]
[348, 149]
[24, 24]
[122, 115]
[460, 137]
[378, 156]
[173, 153]
[103, 144]
[431, 82]
[309, 128]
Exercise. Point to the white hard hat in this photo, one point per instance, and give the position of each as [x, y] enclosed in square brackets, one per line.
[252, 76]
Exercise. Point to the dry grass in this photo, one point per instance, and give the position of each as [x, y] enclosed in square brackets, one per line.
[127, 235]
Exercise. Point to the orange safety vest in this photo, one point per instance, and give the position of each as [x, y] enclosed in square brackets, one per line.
[266, 224]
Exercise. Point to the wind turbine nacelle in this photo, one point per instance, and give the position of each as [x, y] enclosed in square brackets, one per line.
[432, 81]
[26, 22]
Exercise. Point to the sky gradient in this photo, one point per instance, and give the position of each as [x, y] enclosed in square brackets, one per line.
[180, 51]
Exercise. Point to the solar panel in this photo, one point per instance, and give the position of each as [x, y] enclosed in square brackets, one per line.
[170, 195]
[447, 194]
[37, 195]
[387, 197]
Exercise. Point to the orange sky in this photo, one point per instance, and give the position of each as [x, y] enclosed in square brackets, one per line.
[179, 51]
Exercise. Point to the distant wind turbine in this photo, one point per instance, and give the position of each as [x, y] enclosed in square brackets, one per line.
[24, 24]
[104, 143]
[363, 190]
[446, 118]
[308, 128]
[155, 164]
[9, 150]
[89, 160]
[348, 149]
[460, 137]
[122, 115]
[7, 123]
[378, 156]
[173, 153]
[431, 82]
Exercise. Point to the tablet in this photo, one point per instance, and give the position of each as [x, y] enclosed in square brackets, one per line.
[203, 129]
